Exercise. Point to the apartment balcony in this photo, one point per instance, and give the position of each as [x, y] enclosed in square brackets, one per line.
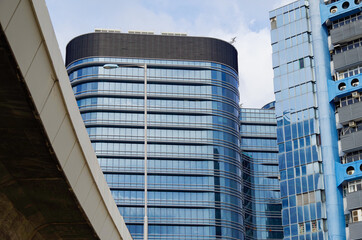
[347, 59]
[355, 230]
[351, 142]
[349, 113]
[347, 32]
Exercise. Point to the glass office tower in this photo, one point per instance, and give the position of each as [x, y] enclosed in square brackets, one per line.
[261, 192]
[194, 167]
[317, 60]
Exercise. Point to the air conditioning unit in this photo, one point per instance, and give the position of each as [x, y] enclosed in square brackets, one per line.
[333, 10]
[355, 94]
[350, 172]
[352, 124]
[356, 215]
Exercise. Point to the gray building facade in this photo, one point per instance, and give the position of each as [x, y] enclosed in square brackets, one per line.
[261, 191]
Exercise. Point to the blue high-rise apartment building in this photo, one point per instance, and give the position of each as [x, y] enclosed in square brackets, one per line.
[317, 62]
[190, 127]
[261, 191]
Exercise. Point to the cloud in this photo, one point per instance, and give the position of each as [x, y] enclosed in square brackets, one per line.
[220, 19]
[255, 68]
[255, 65]
[281, 3]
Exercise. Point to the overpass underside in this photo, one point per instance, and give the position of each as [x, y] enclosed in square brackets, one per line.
[36, 200]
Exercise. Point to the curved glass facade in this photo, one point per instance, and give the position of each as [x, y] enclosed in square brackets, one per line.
[194, 167]
[262, 203]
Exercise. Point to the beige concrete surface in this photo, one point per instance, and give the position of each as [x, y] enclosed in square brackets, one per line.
[29, 31]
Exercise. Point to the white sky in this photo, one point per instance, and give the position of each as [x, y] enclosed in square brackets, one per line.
[246, 20]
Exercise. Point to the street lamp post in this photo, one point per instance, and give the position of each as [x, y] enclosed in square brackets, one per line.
[144, 66]
[145, 223]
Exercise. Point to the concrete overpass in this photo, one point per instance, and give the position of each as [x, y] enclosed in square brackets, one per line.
[51, 186]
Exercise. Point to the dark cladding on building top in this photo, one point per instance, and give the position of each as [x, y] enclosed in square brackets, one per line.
[151, 47]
